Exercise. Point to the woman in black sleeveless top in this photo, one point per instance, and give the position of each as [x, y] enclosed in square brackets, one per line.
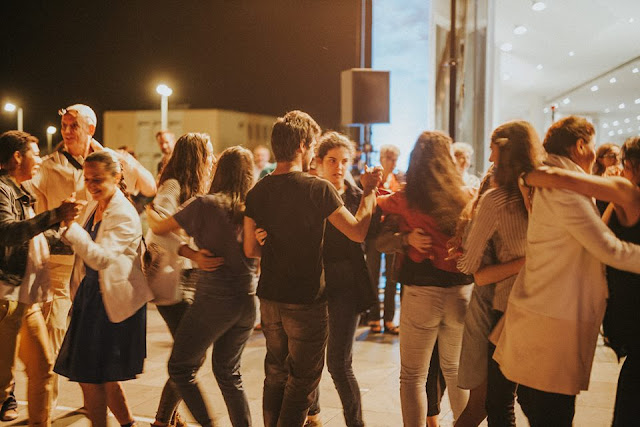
[621, 324]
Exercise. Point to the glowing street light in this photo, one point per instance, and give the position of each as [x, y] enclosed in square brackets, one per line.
[9, 107]
[165, 92]
[51, 130]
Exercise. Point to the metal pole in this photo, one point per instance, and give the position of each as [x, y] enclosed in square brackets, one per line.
[452, 73]
[20, 119]
[164, 112]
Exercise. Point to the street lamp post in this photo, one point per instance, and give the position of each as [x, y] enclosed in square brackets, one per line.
[11, 108]
[165, 92]
[51, 130]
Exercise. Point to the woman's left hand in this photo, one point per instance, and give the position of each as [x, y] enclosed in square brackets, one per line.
[261, 236]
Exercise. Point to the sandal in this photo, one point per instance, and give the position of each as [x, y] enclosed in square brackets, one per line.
[390, 328]
[375, 327]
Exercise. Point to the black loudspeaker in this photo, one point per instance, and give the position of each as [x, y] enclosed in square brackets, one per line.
[364, 96]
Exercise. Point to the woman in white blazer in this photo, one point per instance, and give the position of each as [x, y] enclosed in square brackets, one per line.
[106, 340]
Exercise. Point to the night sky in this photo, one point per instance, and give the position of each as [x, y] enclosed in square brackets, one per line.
[262, 56]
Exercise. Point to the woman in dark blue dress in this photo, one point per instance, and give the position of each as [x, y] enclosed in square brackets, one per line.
[106, 340]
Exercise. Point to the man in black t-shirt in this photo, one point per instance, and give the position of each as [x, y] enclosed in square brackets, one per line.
[291, 206]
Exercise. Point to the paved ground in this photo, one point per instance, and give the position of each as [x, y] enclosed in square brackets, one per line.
[376, 361]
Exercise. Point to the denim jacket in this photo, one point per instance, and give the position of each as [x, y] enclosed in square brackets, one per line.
[16, 229]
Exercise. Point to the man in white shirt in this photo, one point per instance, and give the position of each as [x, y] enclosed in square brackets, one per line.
[61, 177]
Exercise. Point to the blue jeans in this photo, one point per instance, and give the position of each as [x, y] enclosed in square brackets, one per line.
[221, 316]
[343, 321]
[296, 337]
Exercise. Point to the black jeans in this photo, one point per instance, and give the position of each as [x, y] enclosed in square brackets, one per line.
[170, 397]
[222, 317]
[296, 338]
[501, 393]
[544, 409]
[627, 409]
[343, 322]
[390, 287]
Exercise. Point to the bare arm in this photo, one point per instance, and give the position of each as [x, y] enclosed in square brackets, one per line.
[620, 191]
[205, 259]
[250, 244]
[497, 272]
[355, 228]
[160, 225]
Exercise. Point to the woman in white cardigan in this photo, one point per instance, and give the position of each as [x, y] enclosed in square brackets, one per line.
[106, 340]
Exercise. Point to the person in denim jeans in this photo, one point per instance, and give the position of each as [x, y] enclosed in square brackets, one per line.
[349, 290]
[291, 208]
[223, 311]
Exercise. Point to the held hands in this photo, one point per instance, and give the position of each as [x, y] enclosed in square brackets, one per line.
[419, 240]
[70, 209]
[261, 236]
[371, 178]
[206, 261]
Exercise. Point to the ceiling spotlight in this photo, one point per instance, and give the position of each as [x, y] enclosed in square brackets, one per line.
[605, 125]
[629, 129]
[637, 101]
[539, 67]
[637, 117]
[607, 110]
[627, 120]
[506, 47]
[594, 88]
[572, 53]
[519, 30]
[506, 76]
[619, 131]
[630, 21]
[538, 6]
[611, 133]
[616, 123]
[545, 110]
[635, 70]
[612, 80]
[621, 106]
[566, 101]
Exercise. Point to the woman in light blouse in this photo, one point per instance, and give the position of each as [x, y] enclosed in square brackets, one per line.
[106, 340]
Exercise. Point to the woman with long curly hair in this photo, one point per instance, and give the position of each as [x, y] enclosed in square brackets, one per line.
[186, 174]
[436, 294]
[223, 311]
[500, 223]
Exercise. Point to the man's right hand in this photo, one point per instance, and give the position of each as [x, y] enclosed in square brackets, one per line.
[206, 261]
[371, 178]
[69, 210]
[420, 240]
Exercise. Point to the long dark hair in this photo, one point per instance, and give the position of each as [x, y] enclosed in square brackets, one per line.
[187, 165]
[233, 180]
[519, 150]
[434, 185]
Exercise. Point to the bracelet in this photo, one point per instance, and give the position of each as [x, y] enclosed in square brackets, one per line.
[521, 180]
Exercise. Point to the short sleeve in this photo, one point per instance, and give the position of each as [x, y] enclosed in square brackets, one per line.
[326, 197]
[250, 203]
[190, 215]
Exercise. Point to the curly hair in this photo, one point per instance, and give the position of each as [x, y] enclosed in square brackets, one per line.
[331, 140]
[233, 180]
[434, 185]
[519, 150]
[188, 165]
[289, 131]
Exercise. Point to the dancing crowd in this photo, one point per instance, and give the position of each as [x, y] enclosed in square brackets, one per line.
[506, 281]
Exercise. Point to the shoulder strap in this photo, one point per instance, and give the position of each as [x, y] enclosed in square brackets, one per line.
[76, 164]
